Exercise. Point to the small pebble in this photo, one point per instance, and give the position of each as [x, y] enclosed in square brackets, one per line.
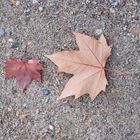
[1, 105]
[129, 60]
[25, 105]
[125, 28]
[29, 43]
[98, 31]
[14, 45]
[46, 92]
[94, 2]
[17, 3]
[27, 11]
[37, 111]
[51, 127]
[14, 91]
[40, 8]
[10, 40]
[9, 109]
[35, 1]
[87, 1]
[129, 134]
[112, 10]
[2, 32]
[114, 3]
[71, 12]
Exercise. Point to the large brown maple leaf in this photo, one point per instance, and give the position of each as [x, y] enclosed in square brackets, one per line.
[87, 66]
[24, 71]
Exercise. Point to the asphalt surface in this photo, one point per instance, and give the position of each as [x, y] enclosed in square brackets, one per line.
[44, 27]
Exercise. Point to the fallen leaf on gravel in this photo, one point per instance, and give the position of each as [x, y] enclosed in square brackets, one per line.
[24, 71]
[87, 65]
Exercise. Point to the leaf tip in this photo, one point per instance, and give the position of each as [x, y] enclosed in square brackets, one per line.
[102, 37]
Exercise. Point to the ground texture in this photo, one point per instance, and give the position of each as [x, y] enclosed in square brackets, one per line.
[44, 26]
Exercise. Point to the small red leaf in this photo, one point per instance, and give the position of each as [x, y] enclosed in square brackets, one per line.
[23, 71]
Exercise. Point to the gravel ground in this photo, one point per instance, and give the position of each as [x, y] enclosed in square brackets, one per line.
[44, 26]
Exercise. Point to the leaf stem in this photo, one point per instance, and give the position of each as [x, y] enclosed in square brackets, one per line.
[116, 71]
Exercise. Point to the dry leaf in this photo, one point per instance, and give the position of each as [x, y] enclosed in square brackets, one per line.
[87, 66]
[24, 72]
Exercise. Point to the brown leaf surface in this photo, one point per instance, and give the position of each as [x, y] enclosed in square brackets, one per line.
[87, 66]
[24, 72]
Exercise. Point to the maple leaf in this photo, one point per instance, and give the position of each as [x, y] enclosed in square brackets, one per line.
[24, 71]
[87, 65]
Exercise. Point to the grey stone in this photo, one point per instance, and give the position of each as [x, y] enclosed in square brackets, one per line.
[17, 3]
[98, 31]
[112, 10]
[14, 44]
[34, 1]
[2, 32]
[40, 8]
[129, 134]
[46, 92]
